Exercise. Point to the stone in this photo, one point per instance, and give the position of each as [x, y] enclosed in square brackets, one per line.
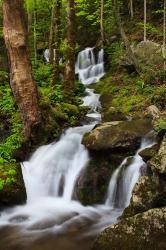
[153, 111]
[148, 153]
[145, 231]
[144, 196]
[148, 52]
[117, 135]
[158, 162]
[12, 189]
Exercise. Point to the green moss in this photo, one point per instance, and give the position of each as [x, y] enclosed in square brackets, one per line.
[70, 109]
[8, 175]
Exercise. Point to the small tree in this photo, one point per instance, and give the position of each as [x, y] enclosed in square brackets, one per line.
[145, 20]
[69, 76]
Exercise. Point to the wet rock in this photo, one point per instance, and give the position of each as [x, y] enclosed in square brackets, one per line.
[117, 136]
[143, 231]
[153, 112]
[158, 162]
[144, 196]
[148, 153]
[12, 190]
[92, 185]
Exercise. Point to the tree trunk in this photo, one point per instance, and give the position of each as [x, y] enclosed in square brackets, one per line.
[123, 35]
[164, 40]
[23, 86]
[145, 19]
[131, 9]
[57, 42]
[69, 77]
[102, 22]
[34, 30]
[51, 36]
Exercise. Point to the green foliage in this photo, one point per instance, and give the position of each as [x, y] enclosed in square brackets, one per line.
[8, 175]
[8, 111]
[151, 29]
[160, 125]
[115, 52]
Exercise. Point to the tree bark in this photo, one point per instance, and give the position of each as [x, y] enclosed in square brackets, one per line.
[34, 30]
[131, 10]
[145, 19]
[123, 35]
[23, 86]
[102, 22]
[57, 42]
[164, 41]
[69, 76]
[51, 36]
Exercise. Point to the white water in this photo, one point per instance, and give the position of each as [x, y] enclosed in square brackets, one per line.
[51, 174]
[125, 177]
[88, 68]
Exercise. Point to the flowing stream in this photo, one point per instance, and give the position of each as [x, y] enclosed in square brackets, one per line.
[52, 217]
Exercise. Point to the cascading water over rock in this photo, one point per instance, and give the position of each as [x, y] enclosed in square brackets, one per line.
[88, 68]
[51, 173]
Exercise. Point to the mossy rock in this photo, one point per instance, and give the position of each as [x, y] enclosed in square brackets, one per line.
[144, 196]
[70, 109]
[92, 185]
[144, 231]
[12, 190]
[158, 162]
[113, 114]
[118, 135]
[148, 153]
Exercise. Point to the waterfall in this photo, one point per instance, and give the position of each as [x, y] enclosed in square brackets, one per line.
[125, 177]
[53, 169]
[88, 68]
[51, 173]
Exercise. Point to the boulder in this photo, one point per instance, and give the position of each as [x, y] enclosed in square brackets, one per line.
[158, 162]
[145, 231]
[148, 153]
[153, 112]
[12, 190]
[117, 136]
[144, 196]
[148, 53]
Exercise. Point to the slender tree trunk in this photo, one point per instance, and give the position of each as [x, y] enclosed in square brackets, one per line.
[69, 76]
[131, 9]
[23, 86]
[35, 34]
[51, 36]
[145, 20]
[29, 21]
[102, 22]
[164, 40]
[57, 42]
[123, 35]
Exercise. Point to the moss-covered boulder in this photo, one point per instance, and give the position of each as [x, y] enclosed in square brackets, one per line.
[12, 190]
[158, 163]
[148, 53]
[117, 136]
[144, 196]
[92, 185]
[148, 153]
[144, 231]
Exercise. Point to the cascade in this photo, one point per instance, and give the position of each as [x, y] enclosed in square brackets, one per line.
[51, 173]
[125, 177]
[89, 69]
